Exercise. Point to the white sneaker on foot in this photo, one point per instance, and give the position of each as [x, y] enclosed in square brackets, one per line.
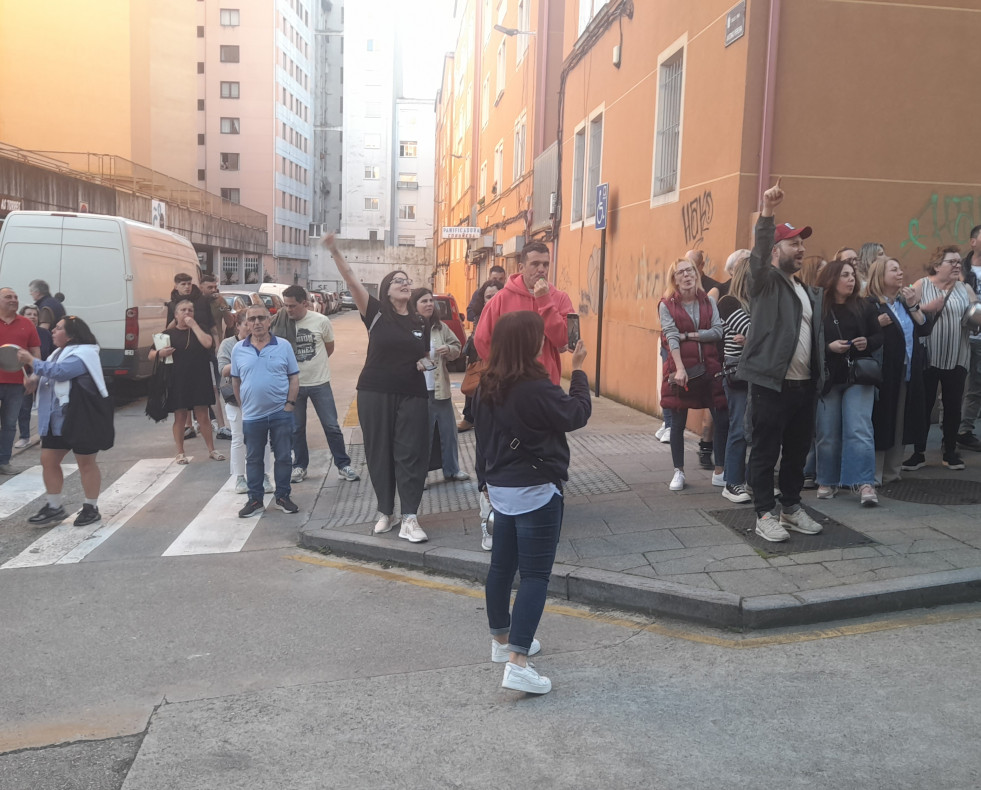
[663, 434]
[298, 475]
[768, 528]
[678, 481]
[384, 523]
[21, 443]
[799, 521]
[487, 532]
[411, 531]
[525, 679]
[719, 479]
[267, 485]
[241, 486]
[500, 653]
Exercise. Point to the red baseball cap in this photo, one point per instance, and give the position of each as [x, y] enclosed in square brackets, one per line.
[787, 231]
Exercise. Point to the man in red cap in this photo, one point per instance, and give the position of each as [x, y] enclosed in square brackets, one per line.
[783, 361]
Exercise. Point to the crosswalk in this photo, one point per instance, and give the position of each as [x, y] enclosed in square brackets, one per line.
[146, 486]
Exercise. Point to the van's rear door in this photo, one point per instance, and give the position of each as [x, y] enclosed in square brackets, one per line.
[31, 251]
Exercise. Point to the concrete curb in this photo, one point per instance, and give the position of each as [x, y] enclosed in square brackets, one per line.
[668, 599]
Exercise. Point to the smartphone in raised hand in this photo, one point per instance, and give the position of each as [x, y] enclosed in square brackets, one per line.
[572, 326]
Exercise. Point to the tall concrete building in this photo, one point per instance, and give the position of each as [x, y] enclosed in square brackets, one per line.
[255, 124]
[374, 155]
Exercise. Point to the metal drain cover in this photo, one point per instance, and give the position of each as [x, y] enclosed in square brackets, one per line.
[943, 491]
[835, 535]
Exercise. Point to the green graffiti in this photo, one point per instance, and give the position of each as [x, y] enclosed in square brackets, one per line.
[946, 220]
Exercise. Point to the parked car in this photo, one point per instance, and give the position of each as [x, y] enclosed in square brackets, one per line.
[317, 302]
[347, 301]
[116, 274]
[239, 300]
[272, 302]
[450, 315]
[333, 302]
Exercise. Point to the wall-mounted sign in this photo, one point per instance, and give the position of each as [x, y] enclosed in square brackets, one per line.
[158, 214]
[736, 23]
[461, 233]
[9, 204]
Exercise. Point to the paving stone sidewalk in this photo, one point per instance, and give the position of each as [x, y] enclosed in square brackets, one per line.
[629, 542]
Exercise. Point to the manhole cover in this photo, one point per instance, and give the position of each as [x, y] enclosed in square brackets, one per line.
[934, 492]
[835, 535]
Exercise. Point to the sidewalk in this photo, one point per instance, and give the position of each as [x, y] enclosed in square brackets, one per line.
[628, 542]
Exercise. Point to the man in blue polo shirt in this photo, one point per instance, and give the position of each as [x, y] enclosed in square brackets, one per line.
[266, 380]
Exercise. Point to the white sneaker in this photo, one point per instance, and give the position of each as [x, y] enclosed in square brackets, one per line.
[678, 481]
[411, 531]
[241, 486]
[267, 485]
[525, 679]
[736, 493]
[719, 479]
[21, 443]
[768, 528]
[799, 521]
[384, 523]
[500, 653]
[299, 474]
[663, 434]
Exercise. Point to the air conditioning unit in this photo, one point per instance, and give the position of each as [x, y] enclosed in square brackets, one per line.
[512, 247]
[485, 243]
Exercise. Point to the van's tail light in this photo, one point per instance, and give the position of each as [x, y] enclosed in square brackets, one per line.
[132, 329]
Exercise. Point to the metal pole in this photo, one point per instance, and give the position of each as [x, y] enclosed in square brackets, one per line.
[599, 310]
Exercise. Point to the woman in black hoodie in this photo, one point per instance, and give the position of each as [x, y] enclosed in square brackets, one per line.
[521, 419]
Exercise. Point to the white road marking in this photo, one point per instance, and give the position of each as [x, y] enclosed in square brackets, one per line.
[22, 489]
[121, 501]
[217, 529]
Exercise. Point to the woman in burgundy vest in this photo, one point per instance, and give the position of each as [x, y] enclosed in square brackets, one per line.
[690, 331]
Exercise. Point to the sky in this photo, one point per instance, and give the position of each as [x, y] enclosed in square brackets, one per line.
[427, 31]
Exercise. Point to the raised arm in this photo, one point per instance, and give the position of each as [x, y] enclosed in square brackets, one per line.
[358, 291]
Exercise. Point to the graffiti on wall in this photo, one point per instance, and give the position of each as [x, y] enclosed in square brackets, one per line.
[589, 296]
[696, 217]
[946, 219]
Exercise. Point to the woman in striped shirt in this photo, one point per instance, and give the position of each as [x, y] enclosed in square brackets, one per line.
[734, 312]
[943, 294]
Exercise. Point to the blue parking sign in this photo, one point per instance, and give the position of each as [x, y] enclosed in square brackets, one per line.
[602, 204]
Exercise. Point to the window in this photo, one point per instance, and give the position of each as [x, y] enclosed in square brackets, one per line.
[372, 172]
[200, 31]
[524, 23]
[229, 125]
[498, 167]
[409, 178]
[518, 167]
[587, 10]
[229, 17]
[200, 67]
[229, 161]
[200, 104]
[483, 180]
[229, 269]
[200, 139]
[201, 175]
[371, 204]
[251, 268]
[667, 138]
[578, 163]
[229, 90]
[407, 241]
[488, 20]
[501, 68]
[234, 195]
[408, 148]
[407, 212]
[485, 103]
[228, 54]
[595, 157]
[372, 141]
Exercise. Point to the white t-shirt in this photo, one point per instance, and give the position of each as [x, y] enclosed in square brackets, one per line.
[313, 331]
[800, 363]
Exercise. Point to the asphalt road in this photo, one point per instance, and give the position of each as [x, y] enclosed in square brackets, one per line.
[272, 667]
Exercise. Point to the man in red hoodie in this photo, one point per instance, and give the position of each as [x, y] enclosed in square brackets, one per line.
[529, 290]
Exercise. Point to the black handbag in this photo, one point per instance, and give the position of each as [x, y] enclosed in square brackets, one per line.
[89, 417]
[696, 373]
[861, 370]
[158, 391]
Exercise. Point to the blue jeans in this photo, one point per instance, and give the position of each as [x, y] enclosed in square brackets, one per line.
[277, 429]
[527, 543]
[735, 462]
[322, 398]
[11, 396]
[843, 436]
[441, 416]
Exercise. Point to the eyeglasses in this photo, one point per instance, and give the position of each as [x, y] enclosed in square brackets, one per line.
[685, 272]
[953, 261]
[257, 318]
[401, 281]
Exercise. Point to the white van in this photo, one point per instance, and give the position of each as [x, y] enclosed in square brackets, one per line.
[116, 275]
[273, 288]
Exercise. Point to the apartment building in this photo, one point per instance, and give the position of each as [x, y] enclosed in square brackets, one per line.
[255, 125]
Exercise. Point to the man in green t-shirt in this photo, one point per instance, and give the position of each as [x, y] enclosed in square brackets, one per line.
[312, 338]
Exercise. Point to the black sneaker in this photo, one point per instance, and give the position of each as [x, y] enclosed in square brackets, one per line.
[254, 506]
[969, 441]
[48, 513]
[705, 455]
[89, 514]
[952, 460]
[914, 462]
[286, 504]
[810, 484]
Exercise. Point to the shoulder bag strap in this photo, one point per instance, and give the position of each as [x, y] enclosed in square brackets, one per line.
[516, 445]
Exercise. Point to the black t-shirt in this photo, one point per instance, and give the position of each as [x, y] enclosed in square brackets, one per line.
[395, 343]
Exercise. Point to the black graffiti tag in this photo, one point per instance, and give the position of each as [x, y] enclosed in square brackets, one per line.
[696, 216]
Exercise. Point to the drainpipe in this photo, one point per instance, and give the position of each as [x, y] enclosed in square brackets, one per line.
[542, 75]
[769, 92]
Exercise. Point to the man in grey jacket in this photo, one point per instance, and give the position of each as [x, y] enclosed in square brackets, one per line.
[783, 361]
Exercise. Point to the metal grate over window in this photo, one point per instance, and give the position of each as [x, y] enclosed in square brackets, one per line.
[668, 136]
